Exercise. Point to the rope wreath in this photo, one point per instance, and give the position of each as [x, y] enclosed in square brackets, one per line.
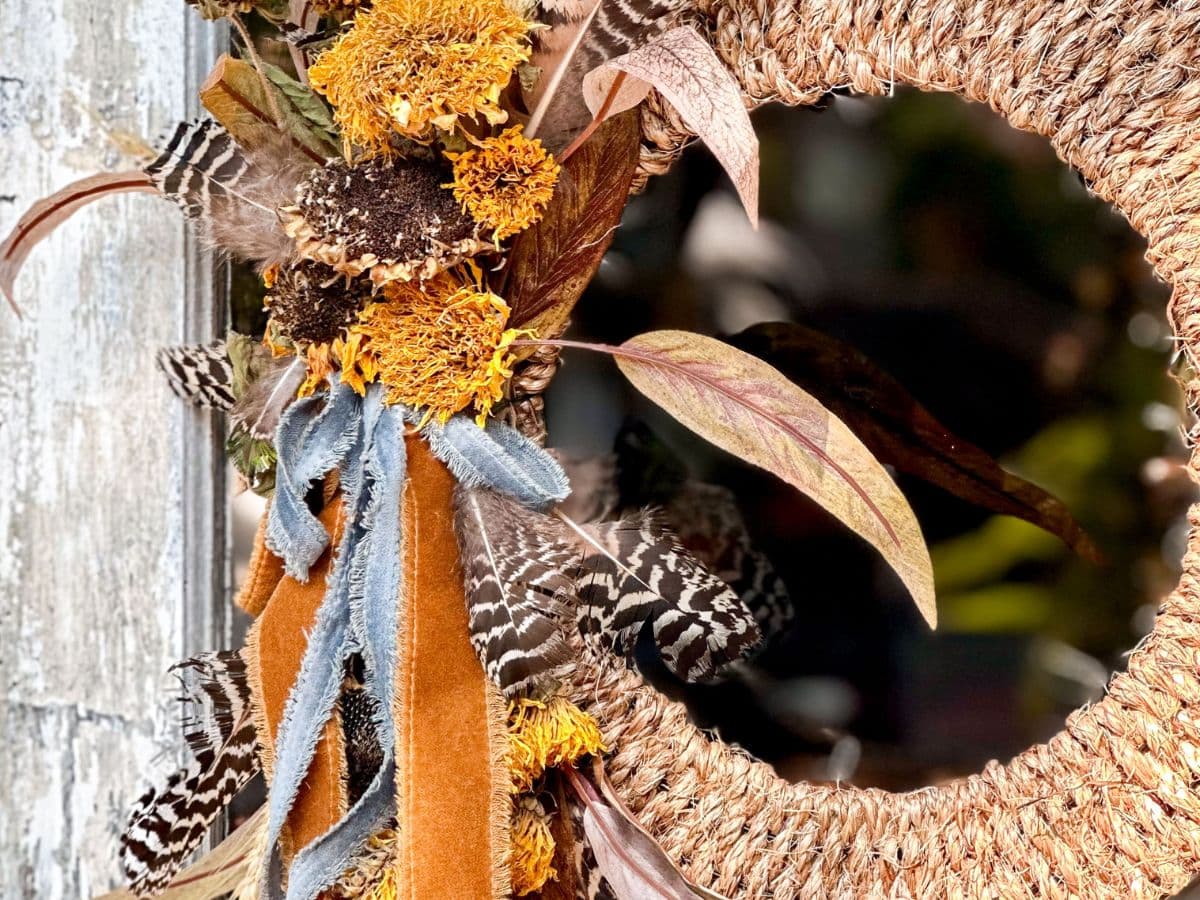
[1110, 807]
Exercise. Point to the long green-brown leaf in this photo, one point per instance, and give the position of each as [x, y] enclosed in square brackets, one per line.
[750, 409]
[230, 867]
[901, 432]
[553, 261]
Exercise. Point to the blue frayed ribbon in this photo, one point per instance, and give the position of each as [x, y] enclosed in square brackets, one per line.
[363, 440]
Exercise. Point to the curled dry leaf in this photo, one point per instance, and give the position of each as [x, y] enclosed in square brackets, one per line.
[234, 95]
[684, 68]
[50, 212]
[902, 433]
[750, 409]
[553, 261]
[631, 861]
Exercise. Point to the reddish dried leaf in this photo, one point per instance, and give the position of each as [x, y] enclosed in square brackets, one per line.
[684, 68]
[552, 262]
[901, 432]
[631, 861]
[750, 409]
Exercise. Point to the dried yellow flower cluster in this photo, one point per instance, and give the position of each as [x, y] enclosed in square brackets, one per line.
[431, 72]
[439, 346]
[414, 66]
[505, 183]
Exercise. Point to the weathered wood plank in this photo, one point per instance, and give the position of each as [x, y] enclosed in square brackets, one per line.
[106, 477]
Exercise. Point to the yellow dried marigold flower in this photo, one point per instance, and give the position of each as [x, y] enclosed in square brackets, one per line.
[413, 66]
[531, 847]
[545, 734]
[506, 182]
[439, 346]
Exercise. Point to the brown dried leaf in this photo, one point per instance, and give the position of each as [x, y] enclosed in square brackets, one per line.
[685, 69]
[902, 433]
[235, 96]
[553, 261]
[50, 212]
[750, 409]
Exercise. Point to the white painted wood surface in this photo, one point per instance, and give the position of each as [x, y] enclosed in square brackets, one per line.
[106, 478]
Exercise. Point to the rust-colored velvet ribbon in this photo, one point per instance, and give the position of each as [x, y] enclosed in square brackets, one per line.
[452, 780]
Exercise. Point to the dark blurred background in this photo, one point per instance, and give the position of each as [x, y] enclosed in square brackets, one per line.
[967, 261]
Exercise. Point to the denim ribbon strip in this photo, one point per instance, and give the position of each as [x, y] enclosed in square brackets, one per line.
[363, 440]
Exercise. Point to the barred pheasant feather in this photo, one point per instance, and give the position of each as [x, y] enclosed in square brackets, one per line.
[634, 571]
[199, 373]
[199, 163]
[710, 525]
[229, 193]
[582, 34]
[514, 561]
[169, 821]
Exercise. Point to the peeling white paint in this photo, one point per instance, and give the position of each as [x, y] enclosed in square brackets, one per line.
[98, 453]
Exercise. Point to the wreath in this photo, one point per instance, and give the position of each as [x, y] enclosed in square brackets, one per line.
[436, 684]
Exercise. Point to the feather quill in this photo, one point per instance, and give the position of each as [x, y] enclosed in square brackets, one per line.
[514, 568]
[634, 571]
[170, 820]
[259, 409]
[201, 374]
[50, 212]
[581, 35]
[231, 870]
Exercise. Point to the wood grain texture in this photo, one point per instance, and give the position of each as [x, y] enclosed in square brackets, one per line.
[107, 476]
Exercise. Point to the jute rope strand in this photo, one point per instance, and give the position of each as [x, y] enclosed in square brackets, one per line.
[1110, 807]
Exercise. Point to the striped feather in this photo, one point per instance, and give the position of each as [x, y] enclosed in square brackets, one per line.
[514, 567]
[710, 525]
[169, 821]
[199, 373]
[581, 35]
[635, 571]
[200, 162]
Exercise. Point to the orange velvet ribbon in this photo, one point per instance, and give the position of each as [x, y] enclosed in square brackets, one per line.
[452, 780]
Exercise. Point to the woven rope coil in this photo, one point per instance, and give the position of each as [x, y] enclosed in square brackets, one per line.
[1110, 807]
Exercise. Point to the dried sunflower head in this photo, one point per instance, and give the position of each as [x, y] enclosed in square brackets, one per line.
[439, 347]
[505, 183]
[388, 217]
[310, 303]
[413, 66]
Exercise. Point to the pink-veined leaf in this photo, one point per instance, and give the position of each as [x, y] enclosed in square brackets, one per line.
[50, 212]
[745, 406]
[903, 433]
[684, 68]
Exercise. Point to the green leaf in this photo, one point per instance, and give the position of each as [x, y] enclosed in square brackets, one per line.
[237, 98]
[303, 99]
